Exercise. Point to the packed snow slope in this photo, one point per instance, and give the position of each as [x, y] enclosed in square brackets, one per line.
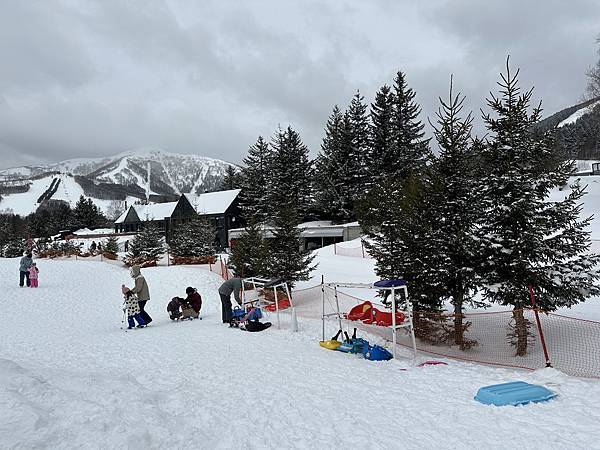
[70, 378]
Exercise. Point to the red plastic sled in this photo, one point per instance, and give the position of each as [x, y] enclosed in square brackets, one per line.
[284, 303]
[360, 312]
[384, 319]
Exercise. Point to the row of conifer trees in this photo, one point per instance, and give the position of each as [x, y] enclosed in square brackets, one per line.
[471, 223]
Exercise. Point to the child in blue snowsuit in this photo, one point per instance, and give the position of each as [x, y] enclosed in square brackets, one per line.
[133, 310]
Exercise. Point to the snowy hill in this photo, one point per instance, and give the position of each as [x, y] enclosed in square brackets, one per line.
[577, 129]
[122, 177]
[72, 379]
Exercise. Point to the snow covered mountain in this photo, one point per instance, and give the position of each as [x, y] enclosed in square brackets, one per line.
[120, 177]
[577, 129]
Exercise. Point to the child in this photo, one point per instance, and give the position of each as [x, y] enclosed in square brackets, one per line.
[33, 275]
[173, 308]
[133, 309]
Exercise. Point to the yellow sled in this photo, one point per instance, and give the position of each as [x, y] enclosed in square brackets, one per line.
[331, 344]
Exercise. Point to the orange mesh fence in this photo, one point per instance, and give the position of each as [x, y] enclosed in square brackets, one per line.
[505, 338]
[220, 268]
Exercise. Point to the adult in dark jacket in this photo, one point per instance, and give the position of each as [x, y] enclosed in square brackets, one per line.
[194, 299]
[24, 265]
[141, 290]
[234, 286]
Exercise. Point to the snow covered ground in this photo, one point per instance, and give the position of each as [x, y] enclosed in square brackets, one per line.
[70, 378]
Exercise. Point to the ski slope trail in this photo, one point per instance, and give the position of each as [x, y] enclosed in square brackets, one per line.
[71, 378]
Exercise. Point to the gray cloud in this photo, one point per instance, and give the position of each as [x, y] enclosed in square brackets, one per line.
[93, 78]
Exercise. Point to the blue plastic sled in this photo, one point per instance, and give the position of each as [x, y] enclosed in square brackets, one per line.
[377, 353]
[514, 393]
[356, 345]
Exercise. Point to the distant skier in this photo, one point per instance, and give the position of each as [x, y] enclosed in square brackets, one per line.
[33, 275]
[234, 286]
[141, 291]
[24, 266]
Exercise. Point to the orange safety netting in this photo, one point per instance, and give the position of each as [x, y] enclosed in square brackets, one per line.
[484, 337]
[494, 338]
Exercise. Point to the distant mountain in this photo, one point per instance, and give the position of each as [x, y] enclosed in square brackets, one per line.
[121, 177]
[577, 129]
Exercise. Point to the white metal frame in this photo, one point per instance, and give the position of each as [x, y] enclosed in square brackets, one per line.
[260, 283]
[407, 324]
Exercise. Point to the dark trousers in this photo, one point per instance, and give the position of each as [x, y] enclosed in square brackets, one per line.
[23, 276]
[143, 314]
[226, 312]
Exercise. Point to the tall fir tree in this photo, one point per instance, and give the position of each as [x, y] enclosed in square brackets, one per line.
[380, 159]
[287, 259]
[410, 150]
[193, 239]
[87, 215]
[147, 246]
[250, 253]
[332, 178]
[231, 180]
[456, 203]
[290, 184]
[255, 178]
[358, 154]
[399, 223]
[528, 240]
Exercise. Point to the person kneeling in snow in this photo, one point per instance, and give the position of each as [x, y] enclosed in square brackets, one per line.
[193, 299]
[133, 309]
[179, 309]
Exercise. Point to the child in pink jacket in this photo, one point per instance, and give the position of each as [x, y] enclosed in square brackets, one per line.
[33, 275]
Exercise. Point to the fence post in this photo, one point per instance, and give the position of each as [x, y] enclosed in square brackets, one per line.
[362, 248]
[334, 248]
[539, 325]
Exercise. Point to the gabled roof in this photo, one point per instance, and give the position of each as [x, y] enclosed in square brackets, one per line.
[155, 211]
[126, 214]
[213, 202]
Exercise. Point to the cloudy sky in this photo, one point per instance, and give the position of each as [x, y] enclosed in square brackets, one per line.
[95, 78]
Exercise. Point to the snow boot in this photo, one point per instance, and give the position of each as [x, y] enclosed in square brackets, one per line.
[130, 322]
[140, 321]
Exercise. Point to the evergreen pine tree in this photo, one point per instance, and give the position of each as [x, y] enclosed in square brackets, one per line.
[527, 239]
[87, 215]
[111, 245]
[146, 246]
[332, 179]
[231, 180]
[286, 258]
[410, 151]
[193, 239]
[290, 184]
[380, 159]
[456, 209]
[359, 153]
[255, 177]
[250, 253]
[398, 220]
[14, 247]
